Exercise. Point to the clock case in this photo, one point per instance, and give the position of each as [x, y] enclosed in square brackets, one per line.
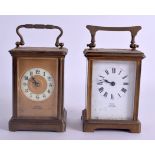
[134, 125]
[39, 124]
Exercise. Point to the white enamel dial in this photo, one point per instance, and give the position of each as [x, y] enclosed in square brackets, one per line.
[37, 84]
[113, 89]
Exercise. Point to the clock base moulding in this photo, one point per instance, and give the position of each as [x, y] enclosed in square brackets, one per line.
[92, 125]
[58, 125]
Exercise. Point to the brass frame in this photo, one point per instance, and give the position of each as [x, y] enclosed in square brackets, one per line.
[41, 124]
[133, 125]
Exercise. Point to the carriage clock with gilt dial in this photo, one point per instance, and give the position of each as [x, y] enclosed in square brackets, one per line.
[38, 85]
[113, 84]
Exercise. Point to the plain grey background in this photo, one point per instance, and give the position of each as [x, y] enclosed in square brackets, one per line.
[75, 37]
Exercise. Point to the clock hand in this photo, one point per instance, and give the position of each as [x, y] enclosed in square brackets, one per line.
[106, 81]
[36, 83]
[111, 83]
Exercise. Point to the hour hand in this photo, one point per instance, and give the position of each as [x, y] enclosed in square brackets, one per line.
[111, 83]
[35, 82]
[106, 81]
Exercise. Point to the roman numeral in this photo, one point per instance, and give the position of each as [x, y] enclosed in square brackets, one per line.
[113, 70]
[125, 83]
[119, 95]
[107, 72]
[112, 96]
[101, 89]
[105, 94]
[101, 76]
[123, 90]
[100, 83]
[119, 72]
[124, 77]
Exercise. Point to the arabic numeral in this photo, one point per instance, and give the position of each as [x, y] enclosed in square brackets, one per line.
[44, 96]
[37, 71]
[24, 84]
[49, 78]
[50, 85]
[26, 77]
[37, 97]
[31, 73]
[26, 90]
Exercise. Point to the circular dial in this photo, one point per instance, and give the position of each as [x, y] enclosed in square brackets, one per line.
[111, 84]
[37, 84]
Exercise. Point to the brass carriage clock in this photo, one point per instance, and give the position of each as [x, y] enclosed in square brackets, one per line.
[38, 85]
[113, 83]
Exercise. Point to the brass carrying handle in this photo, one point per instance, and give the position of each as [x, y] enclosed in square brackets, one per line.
[133, 30]
[39, 26]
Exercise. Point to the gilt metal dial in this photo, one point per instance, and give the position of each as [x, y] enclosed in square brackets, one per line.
[37, 84]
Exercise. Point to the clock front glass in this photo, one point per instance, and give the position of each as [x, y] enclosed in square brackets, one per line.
[113, 89]
[37, 84]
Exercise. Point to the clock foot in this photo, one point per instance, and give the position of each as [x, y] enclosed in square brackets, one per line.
[136, 128]
[92, 125]
[22, 124]
[87, 127]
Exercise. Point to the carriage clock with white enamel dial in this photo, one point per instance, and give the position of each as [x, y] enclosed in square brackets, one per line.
[38, 85]
[113, 84]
